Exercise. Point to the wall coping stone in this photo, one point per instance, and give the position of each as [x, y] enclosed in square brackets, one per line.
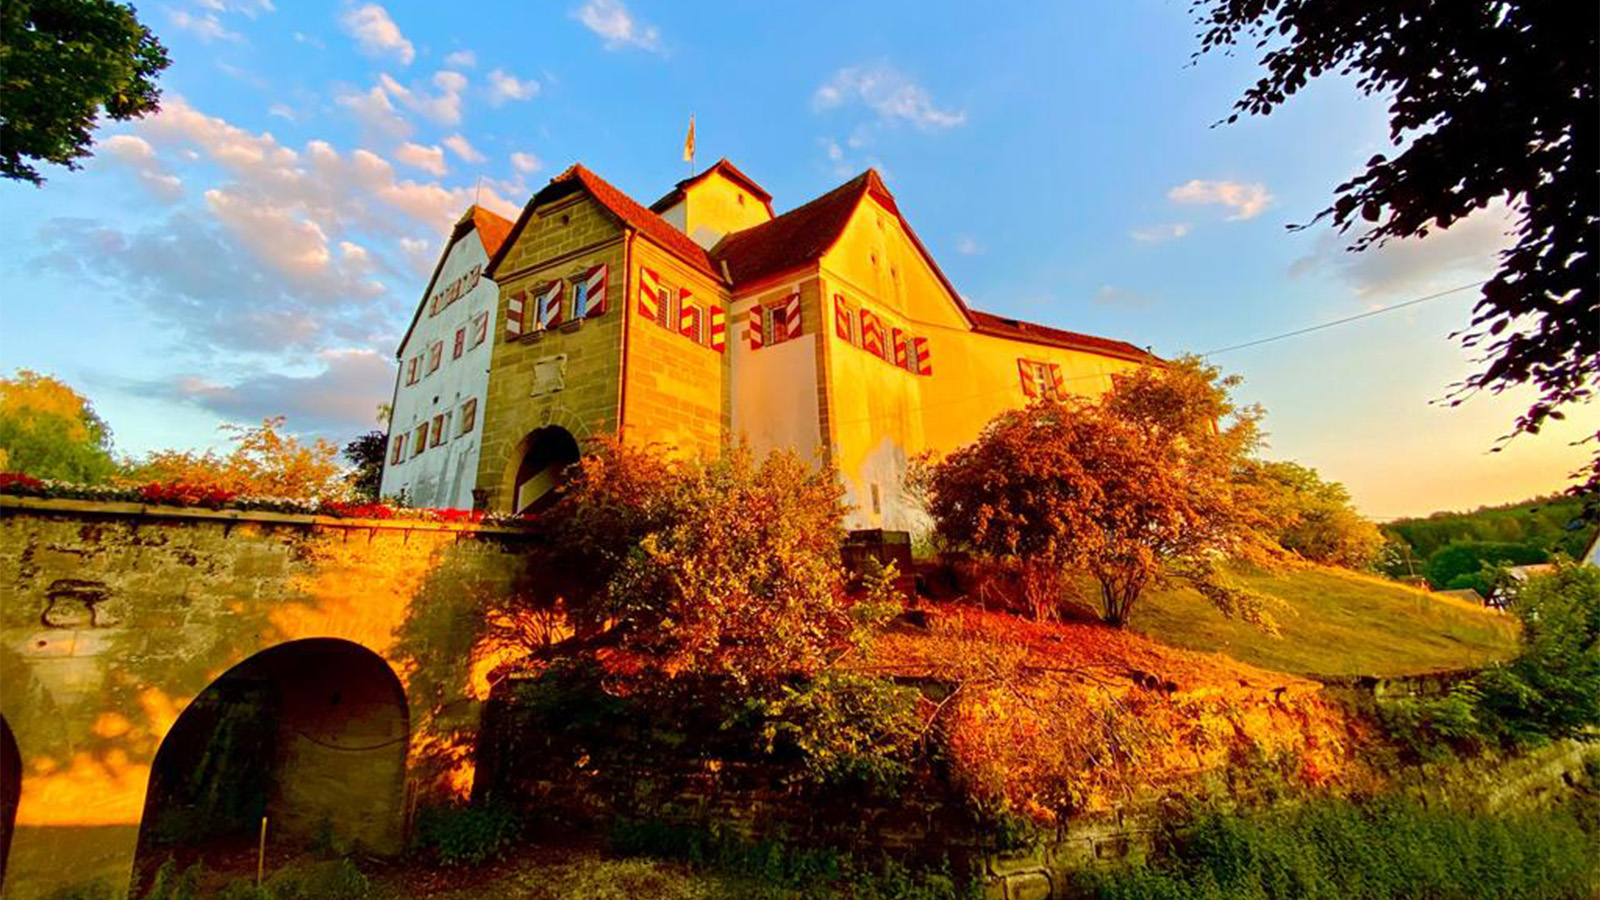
[11, 504]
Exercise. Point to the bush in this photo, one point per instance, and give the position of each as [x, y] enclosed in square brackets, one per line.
[1331, 850]
[467, 835]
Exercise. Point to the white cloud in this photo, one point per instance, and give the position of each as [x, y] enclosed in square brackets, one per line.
[282, 111]
[375, 113]
[967, 245]
[139, 157]
[888, 92]
[1468, 250]
[1121, 298]
[463, 148]
[1156, 234]
[526, 162]
[464, 59]
[376, 34]
[504, 86]
[1246, 200]
[611, 20]
[443, 108]
[206, 26]
[428, 159]
[338, 400]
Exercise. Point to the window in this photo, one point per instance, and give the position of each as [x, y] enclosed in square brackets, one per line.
[580, 296]
[844, 320]
[397, 453]
[441, 428]
[469, 416]
[413, 369]
[461, 343]
[421, 443]
[1040, 379]
[693, 327]
[435, 356]
[667, 307]
[480, 329]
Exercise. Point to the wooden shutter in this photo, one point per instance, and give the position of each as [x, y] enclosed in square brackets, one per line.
[1057, 383]
[1025, 371]
[757, 336]
[649, 294]
[461, 343]
[719, 328]
[515, 307]
[872, 334]
[689, 322]
[469, 415]
[841, 319]
[791, 317]
[898, 340]
[595, 283]
[550, 304]
[481, 332]
[919, 353]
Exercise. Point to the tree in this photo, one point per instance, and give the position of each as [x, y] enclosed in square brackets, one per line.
[1136, 489]
[1466, 559]
[61, 63]
[48, 430]
[264, 462]
[726, 567]
[365, 453]
[1309, 516]
[1488, 101]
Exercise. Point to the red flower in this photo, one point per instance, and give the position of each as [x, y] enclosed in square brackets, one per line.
[18, 483]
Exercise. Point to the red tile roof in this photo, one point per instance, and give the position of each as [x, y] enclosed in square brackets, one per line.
[492, 228]
[1016, 329]
[625, 208]
[729, 170]
[798, 237]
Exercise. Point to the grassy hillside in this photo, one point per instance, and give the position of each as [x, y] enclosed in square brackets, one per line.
[1336, 622]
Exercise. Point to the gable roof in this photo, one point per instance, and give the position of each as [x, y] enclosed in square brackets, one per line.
[729, 171]
[798, 237]
[632, 215]
[492, 229]
[1018, 330]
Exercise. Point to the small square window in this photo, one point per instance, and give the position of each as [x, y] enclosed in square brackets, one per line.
[421, 443]
[461, 343]
[469, 416]
[441, 428]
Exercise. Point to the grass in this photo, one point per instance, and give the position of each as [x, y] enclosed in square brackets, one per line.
[1336, 622]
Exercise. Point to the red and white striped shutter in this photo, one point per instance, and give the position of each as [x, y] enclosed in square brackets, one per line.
[550, 304]
[757, 335]
[1057, 382]
[899, 343]
[649, 293]
[688, 315]
[514, 309]
[719, 329]
[595, 288]
[872, 334]
[1025, 372]
[841, 318]
[919, 352]
[481, 329]
[791, 317]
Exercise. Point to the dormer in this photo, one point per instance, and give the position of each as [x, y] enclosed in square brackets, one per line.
[717, 202]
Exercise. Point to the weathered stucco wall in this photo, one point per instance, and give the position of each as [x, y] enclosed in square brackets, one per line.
[115, 617]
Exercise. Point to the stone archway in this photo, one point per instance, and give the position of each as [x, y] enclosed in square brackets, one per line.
[312, 735]
[10, 792]
[542, 458]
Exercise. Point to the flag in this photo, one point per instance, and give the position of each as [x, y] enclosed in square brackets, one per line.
[688, 143]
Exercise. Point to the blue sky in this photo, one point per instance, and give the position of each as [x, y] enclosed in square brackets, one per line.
[257, 247]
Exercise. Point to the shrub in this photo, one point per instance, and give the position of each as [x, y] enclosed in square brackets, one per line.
[337, 879]
[467, 835]
[851, 731]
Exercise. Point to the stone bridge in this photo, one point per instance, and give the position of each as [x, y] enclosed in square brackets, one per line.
[168, 674]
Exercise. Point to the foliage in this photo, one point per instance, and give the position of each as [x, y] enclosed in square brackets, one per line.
[467, 835]
[63, 62]
[170, 883]
[1488, 101]
[48, 430]
[851, 731]
[264, 462]
[365, 455]
[1384, 850]
[1467, 558]
[1551, 523]
[1135, 489]
[1429, 729]
[777, 870]
[724, 566]
[1309, 516]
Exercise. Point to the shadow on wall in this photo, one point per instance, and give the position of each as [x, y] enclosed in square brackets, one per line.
[310, 735]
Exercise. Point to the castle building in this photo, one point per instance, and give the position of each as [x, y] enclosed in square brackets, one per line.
[437, 410]
[706, 318]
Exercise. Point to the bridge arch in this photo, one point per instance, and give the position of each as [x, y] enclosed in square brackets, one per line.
[536, 466]
[311, 734]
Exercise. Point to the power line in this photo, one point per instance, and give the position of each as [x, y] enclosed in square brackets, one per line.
[1367, 314]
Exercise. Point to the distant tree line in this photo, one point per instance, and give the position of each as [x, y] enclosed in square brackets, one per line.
[1455, 550]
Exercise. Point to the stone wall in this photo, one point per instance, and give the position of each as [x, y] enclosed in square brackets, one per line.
[115, 617]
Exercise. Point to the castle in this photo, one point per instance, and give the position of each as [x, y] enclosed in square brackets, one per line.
[705, 317]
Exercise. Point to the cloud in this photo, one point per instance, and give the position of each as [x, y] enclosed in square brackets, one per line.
[967, 245]
[1246, 200]
[503, 86]
[443, 108]
[1467, 250]
[136, 154]
[1121, 298]
[463, 148]
[428, 159]
[376, 34]
[337, 401]
[526, 162]
[375, 113]
[611, 20]
[464, 59]
[889, 93]
[282, 111]
[419, 255]
[1157, 234]
[206, 26]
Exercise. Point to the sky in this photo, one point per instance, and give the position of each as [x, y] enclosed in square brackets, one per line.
[257, 247]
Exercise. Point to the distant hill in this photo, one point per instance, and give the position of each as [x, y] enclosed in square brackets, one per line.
[1544, 522]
